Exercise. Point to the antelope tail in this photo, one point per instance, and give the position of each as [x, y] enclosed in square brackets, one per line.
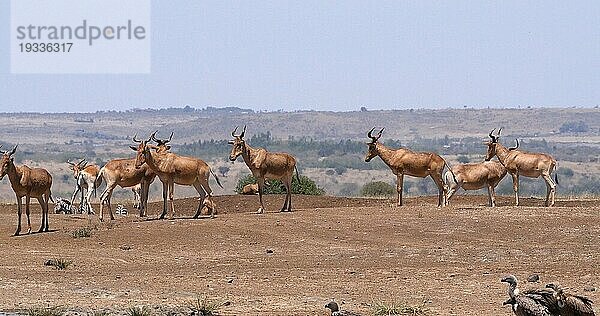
[297, 174]
[216, 178]
[556, 174]
[450, 169]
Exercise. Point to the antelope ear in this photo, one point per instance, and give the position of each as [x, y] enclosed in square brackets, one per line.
[230, 142]
[133, 148]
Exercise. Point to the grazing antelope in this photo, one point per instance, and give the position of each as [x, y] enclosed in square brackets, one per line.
[122, 172]
[171, 169]
[265, 165]
[208, 203]
[520, 163]
[250, 189]
[137, 195]
[474, 176]
[27, 182]
[404, 161]
[87, 182]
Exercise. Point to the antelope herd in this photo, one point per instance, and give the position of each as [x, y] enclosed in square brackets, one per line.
[154, 159]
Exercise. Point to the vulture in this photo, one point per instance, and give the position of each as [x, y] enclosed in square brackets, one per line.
[536, 302]
[335, 310]
[570, 304]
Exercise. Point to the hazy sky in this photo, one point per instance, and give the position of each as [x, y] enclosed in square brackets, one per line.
[340, 55]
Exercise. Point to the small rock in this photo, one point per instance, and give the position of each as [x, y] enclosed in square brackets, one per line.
[227, 303]
[269, 250]
[533, 278]
[589, 289]
[125, 247]
[230, 281]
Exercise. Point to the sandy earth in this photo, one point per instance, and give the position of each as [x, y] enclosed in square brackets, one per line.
[358, 251]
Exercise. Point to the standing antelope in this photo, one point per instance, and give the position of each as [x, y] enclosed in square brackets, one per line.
[171, 169]
[265, 165]
[27, 182]
[404, 161]
[87, 182]
[474, 176]
[518, 163]
[122, 172]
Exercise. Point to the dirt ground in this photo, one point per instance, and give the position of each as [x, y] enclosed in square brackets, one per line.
[358, 251]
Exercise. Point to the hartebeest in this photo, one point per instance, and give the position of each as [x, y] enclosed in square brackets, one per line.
[87, 182]
[27, 182]
[404, 161]
[122, 172]
[265, 165]
[174, 169]
[474, 176]
[520, 163]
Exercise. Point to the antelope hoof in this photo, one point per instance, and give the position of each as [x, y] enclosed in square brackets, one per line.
[29, 230]
[260, 211]
[41, 230]
[17, 233]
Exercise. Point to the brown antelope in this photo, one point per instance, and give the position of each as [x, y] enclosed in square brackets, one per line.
[404, 161]
[122, 172]
[87, 182]
[27, 182]
[208, 203]
[265, 165]
[474, 176]
[520, 163]
[250, 189]
[171, 169]
[137, 196]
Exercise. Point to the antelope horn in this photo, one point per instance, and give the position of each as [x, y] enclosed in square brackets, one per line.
[234, 130]
[72, 164]
[170, 137]
[491, 134]
[243, 132]
[379, 134]
[82, 161]
[500, 130]
[10, 153]
[152, 136]
[369, 133]
[135, 138]
[513, 148]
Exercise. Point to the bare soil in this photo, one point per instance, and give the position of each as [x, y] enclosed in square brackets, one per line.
[358, 251]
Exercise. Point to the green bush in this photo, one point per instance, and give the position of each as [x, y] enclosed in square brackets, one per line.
[377, 188]
[306, 186]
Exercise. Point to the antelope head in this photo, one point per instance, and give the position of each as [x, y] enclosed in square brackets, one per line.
[142, 149]
[238, 144]
[491, 152]
[6, 161]
[77, 167]
[372, 153]
[162, 143]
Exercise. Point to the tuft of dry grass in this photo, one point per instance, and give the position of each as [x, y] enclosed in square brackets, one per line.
[388, 309]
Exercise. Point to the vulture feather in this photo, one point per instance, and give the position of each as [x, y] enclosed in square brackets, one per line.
[571, 304]
[335, 310]
[537, 302]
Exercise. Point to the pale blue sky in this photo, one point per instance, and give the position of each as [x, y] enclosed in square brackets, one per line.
[340, 55]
